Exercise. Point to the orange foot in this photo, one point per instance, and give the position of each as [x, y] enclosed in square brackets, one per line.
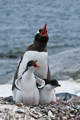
[54, 102]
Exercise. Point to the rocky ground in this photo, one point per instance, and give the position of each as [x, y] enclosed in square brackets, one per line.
[63, 110]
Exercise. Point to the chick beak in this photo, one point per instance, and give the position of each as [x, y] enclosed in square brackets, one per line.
[58, 85]
[35, 65]
[44, 31]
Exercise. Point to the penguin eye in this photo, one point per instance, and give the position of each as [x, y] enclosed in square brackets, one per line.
[30, 64]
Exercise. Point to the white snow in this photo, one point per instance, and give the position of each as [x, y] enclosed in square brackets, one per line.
[69, 86]
[5, 90]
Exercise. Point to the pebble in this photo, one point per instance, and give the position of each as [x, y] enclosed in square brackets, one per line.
[63, 110]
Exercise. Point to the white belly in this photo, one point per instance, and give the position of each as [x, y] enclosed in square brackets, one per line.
[29, 94]
[46, 96]
[28, 98]
[42, 58]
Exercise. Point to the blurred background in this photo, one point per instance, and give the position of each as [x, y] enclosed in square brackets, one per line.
[19, 22]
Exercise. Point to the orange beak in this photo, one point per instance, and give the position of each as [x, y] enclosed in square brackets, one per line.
[35, 65]
[58, 85]
[44, 31]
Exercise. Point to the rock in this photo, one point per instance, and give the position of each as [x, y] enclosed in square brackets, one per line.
[63, 110]
[35, 114]
[8, 99]
[65, 96]
[19, 104]
[66, 64]
[50, 115]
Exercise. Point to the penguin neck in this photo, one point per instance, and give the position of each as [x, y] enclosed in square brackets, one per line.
[40, 46]
[28, 74]
[49, 87]
[28, 80]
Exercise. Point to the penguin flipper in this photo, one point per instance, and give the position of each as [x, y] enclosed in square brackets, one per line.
[16, 83]
[48, 74]
[40, 82]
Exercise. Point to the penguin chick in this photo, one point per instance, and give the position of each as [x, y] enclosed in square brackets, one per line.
[47, 93]
[26, 90]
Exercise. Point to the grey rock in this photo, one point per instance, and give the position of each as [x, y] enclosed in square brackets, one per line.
[66, 96]
[66, 64]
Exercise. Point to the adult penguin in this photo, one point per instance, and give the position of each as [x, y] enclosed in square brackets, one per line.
[36, 51]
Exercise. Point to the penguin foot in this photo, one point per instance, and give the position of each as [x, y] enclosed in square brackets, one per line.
[54, 102]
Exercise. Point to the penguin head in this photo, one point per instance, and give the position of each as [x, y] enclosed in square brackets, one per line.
[54, 83]
[51, 84]
[42, 36]
[32, 65]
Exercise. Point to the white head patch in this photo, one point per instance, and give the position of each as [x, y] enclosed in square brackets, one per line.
[38, 32]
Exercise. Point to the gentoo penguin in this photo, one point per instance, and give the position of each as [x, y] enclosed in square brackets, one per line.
[26, 89]
[47, 93]
[36, 51]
